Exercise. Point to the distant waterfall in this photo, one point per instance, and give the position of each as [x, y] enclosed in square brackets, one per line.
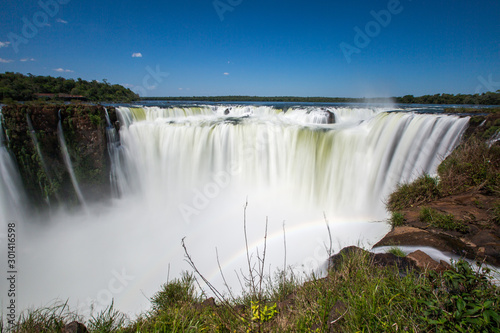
[12, 196]
[67, 161]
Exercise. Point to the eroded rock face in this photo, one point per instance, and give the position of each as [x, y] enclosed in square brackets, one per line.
[480, 241]
[37, 150]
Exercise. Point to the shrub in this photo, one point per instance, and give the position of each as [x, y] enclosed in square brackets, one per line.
[178, 291]
[397, 219]
[472, 165]
[423, 189]
[439, 220]
[462, 300]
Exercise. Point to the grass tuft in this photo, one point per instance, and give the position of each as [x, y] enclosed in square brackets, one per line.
[423, 189]
[397, 251]
[439, 220]
[178, 291]
[107, 320]
[397, 219]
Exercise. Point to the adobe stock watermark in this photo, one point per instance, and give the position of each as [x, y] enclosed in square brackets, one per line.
[151, 80]
[314, 262]
[40, 19]
[372, 29]
[223, 6]
[487, 84]
[104, 297]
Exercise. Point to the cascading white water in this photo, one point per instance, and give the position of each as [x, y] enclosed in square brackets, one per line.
[188, 171]
[12, 196]
[69, 164]
[113, 142]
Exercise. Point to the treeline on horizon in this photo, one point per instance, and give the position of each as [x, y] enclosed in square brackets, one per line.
[488, 98]
[19, 87]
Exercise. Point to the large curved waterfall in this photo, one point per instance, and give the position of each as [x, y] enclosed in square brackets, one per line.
[188, 172]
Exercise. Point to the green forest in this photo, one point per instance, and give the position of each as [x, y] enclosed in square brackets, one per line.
[19, 87]
[488, 98]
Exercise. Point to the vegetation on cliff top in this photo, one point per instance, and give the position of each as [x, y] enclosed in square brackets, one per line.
[488, 98]
[19, 87]
[473, 165]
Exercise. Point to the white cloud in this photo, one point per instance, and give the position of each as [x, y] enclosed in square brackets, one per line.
[61, 21]
[137, 55]
[61, 70]
[27, 59]
[6, 61]
[226, 73]
[127, 85]
[4, 44]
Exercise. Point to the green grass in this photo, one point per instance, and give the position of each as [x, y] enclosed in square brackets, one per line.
[439, 220]
[397, 219]
[423, 189]
[397, 251]
[496, 213]
[473, 165]
[355, 297]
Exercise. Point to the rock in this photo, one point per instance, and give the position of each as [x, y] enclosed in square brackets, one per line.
[331, 117]
[74, 327]
[377, 259]
[424, 262]
[439, 240]
[208, 303]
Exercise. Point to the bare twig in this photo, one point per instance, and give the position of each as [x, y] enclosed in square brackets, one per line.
[252, 281]
[217, 294]
[222, 274]
[284, 260]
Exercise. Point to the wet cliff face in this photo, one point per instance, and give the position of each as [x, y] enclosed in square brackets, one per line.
[32, 132]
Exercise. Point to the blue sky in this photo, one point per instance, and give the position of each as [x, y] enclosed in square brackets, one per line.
[254, 47]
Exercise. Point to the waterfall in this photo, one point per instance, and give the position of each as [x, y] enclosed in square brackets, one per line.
[187, 171]
[344, 169]
[12, 196]
[67, 161]
[114, 152]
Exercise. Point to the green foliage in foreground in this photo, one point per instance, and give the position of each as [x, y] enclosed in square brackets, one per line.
[464, 301]
[355, 297]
